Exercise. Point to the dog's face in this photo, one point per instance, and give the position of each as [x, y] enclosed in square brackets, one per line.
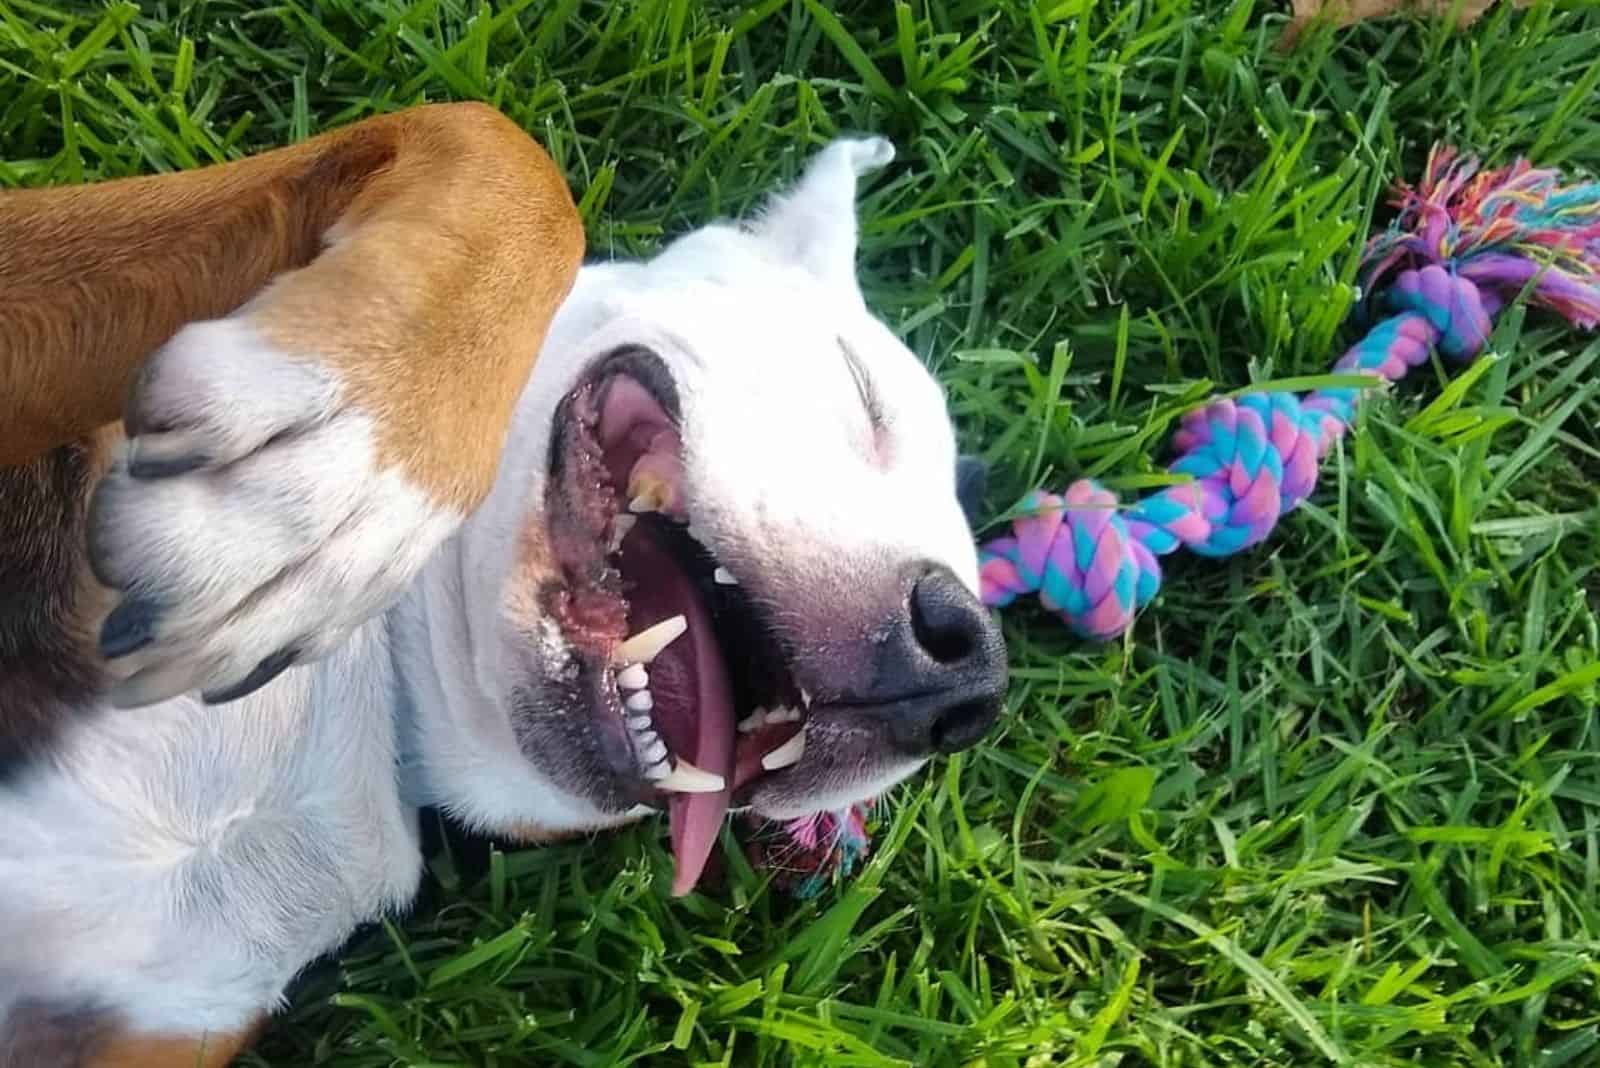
[734, 567]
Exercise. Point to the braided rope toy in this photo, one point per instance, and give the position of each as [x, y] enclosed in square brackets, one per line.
[1465, 243]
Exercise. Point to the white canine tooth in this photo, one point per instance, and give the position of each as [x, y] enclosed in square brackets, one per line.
[805, 698]
[753, 721]
[788, 753]
[723, 577]
[643, 647]
[657, 771]
[654, 753]
[633, 677]
[641, 724]
[688, 779]
[640, 702]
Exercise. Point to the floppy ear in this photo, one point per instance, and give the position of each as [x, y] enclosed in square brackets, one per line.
[814, 224]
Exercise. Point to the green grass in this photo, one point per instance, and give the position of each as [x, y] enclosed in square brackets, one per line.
[1336, 801]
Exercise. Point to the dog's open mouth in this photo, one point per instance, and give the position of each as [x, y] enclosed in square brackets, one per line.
[695, 701]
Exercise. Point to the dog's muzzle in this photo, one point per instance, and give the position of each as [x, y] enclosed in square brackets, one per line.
[938, 677]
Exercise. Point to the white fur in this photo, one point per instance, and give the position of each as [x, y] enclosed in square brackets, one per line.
[219, 388]
[457, 747]
[783, 470]
[288, 537]
[814, 227]
[180, 864]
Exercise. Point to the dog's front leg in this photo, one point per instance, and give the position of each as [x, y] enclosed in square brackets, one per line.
[340, 332]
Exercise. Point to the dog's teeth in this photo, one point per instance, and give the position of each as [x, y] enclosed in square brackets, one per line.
[643, 647]
[649, 493]
[688, 779]
[633, 677]
[805, 698]
[788, 753]
[640, 702]
[641, 723]
[783, 715]
[723, 577]
[648, 744]
[620, 526]
[753, 722]
[659, 770]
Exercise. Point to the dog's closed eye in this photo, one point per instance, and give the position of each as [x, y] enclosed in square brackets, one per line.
[864, 387]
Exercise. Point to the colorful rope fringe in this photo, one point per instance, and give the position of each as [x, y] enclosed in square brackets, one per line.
[806, 853]
[1465, 242]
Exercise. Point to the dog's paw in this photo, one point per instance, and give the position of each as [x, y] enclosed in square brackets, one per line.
[248, 524]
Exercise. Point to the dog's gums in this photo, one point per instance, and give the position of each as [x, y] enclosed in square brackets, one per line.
[643, 597]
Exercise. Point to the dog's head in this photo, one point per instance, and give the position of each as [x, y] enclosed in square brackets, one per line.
[726, 562]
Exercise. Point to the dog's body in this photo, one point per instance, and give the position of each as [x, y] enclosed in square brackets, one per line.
[433, 533]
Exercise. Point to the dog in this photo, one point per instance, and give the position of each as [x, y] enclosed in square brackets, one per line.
[408, 508]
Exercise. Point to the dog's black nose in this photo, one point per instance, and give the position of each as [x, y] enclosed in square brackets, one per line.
[941, 672]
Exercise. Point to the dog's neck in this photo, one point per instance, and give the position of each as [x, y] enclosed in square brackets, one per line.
[452, 729]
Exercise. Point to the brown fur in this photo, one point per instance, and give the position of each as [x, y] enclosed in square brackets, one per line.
[456, 240]
[47, 666]
[37, 1035]
[171, 1051]
[419, 256]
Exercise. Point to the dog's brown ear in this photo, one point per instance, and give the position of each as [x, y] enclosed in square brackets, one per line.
[814, 224]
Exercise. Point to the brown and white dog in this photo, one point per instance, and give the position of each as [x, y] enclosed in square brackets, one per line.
[549, 549]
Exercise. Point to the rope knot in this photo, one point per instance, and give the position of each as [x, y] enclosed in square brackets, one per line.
[1253, 460]
[1453, 305]
[1079, 555]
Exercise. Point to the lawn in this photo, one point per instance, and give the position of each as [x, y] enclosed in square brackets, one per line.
[1336, 800]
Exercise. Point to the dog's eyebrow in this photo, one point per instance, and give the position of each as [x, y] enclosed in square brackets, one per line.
[864, 386]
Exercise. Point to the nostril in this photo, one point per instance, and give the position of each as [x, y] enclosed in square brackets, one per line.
[961, 726]
[940, 673]
[941, 620]
[944, 643]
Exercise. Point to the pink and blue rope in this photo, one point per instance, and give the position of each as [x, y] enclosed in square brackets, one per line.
[1466, 241]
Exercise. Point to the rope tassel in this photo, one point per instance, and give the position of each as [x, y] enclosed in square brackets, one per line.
[1464, 244]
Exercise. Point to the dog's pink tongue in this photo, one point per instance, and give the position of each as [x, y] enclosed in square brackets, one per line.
[695, 819]
[693, 699]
